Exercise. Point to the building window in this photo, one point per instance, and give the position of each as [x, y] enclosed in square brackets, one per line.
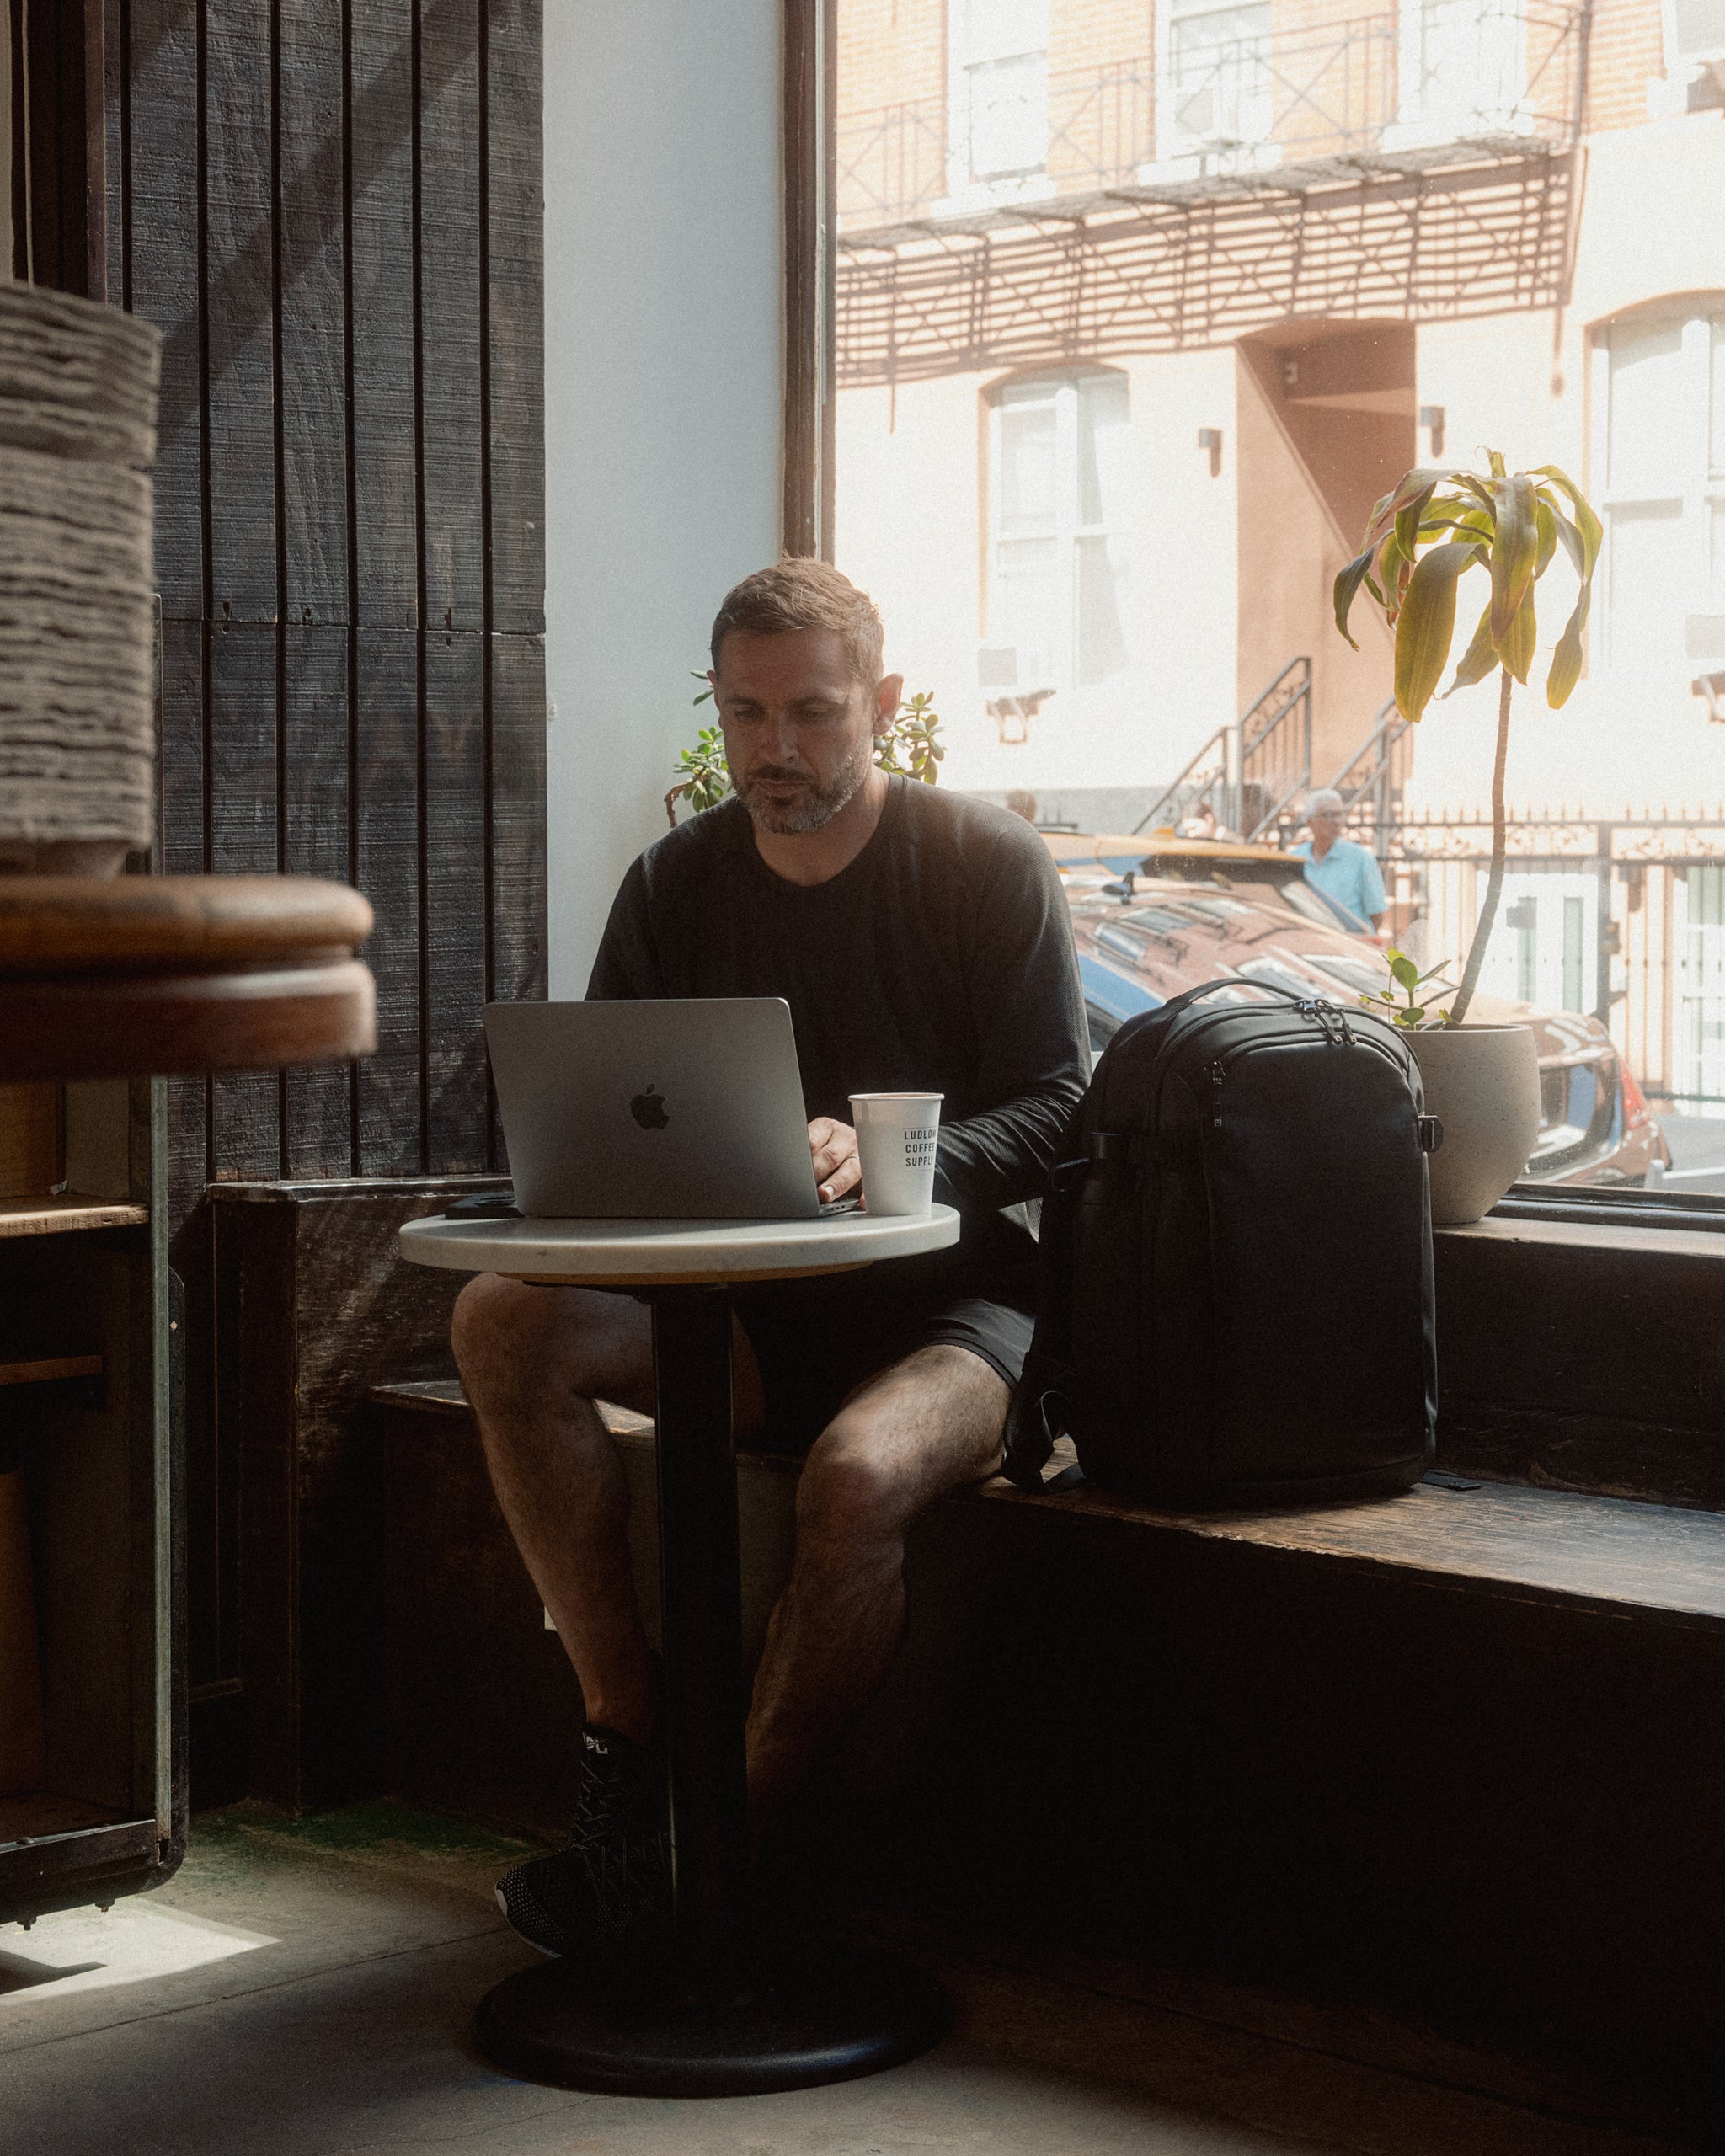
[1659, 420]
[1463, 70]
[997, 130]
[1216, 64]
[1694, 33]
[1057, 519]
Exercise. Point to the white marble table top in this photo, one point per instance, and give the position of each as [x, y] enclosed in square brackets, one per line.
[641, 1253]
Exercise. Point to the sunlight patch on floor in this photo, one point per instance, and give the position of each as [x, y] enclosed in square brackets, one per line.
[85, 1949]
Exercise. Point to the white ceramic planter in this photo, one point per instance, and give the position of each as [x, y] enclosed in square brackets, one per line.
[1482, 1083]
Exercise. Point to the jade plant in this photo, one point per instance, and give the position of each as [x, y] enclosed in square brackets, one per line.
[1424, 537]
[908, 748]
[1410, 1013]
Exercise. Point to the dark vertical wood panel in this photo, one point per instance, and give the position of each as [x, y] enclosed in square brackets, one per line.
[450, 211]
[515, 215]
[183, 802]
[381, 66]
[240, 514]
[163, 246]
[313, 372]
[245, 1105]
[181, 774]
[454, 963]
[240, 381]
[110, 115]
[389, 838]
[518, 827]
[450, 424]
[315, 774]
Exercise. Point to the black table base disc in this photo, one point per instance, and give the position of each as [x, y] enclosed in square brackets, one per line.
[814, 2014]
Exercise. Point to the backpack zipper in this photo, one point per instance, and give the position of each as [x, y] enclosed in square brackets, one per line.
[1217, 1068]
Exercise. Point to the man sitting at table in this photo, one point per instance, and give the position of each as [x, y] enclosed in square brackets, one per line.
[922, 941]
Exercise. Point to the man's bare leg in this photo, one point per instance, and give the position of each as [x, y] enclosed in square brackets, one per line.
[929, 1424]
[533, 1361]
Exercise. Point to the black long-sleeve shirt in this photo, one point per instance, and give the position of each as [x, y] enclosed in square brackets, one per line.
[940, 959]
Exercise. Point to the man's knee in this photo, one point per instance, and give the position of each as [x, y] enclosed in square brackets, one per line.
[509, 1336]
[486, 1326]
[852, 1489]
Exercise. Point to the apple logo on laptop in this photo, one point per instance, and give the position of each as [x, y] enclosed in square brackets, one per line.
[648, 1109]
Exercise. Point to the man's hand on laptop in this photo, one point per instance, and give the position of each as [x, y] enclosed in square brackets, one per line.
[836, 1169]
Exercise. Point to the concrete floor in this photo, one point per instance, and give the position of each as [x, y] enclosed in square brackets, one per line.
[304, 1990]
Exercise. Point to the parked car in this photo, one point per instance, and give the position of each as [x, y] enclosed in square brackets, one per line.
[1152, 916]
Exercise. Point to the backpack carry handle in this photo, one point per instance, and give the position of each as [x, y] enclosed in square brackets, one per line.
[1245, 980]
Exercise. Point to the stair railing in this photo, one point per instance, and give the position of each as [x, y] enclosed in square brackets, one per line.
[1373, 776]
[1248, 773]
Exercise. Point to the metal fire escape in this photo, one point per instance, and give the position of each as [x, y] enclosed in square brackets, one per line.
[1417, 164]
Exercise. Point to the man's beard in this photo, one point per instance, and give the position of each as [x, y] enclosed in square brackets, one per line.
[815, 805]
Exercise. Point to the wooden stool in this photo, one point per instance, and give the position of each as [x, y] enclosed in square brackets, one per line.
[108, 977]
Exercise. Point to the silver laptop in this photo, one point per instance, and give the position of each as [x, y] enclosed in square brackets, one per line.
[679, 1110]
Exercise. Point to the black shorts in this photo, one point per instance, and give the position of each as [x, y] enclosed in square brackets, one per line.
[817, 1340]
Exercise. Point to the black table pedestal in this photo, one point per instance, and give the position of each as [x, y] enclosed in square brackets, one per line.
[813, 2015]
[731, 2017]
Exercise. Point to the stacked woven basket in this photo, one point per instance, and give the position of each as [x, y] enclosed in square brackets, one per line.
[78, 435]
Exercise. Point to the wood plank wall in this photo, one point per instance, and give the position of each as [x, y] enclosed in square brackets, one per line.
[332, 208]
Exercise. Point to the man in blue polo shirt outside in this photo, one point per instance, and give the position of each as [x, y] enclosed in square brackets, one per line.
[1346, 873]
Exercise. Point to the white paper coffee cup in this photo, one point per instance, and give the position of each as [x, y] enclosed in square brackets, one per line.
[895, 1142]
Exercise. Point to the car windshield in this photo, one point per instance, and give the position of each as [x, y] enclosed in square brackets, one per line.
[1354, 968]
[1164, 920]
[1282, 976]
[1220, 909]
[1114, 935]
[1315, 906]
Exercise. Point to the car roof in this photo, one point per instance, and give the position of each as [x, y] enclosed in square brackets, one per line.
[1228, 912]
[1160, 853]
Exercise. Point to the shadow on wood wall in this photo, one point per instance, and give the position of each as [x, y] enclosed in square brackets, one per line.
[332, 208]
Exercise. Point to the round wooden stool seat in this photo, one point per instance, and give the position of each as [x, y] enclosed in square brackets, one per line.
[117, 976]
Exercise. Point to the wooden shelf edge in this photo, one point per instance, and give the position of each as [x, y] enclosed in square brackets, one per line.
[59, 1216]
[51, 1369]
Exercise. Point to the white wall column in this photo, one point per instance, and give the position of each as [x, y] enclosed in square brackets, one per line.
[663, 368]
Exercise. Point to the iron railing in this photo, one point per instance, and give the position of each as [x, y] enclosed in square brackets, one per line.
[1370, 782]
[1636, 938]
[1399, 84]
[1247, 775]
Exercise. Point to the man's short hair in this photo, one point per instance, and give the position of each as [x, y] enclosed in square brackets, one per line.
[800, 594]
[1325, 797]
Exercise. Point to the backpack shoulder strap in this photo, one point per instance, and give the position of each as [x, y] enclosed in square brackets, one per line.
[1036, 1415]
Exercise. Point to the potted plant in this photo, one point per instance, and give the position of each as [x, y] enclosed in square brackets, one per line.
[1481, 1081]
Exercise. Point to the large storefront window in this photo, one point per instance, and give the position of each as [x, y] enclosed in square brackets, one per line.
[1138, 309]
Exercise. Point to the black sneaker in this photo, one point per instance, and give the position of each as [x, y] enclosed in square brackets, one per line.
[605, 1897]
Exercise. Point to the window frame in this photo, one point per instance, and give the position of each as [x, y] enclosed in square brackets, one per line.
[810, 107]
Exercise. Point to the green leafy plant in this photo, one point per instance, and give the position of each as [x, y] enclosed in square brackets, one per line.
[1511, 524]
[908, 748]
[1410, 1014]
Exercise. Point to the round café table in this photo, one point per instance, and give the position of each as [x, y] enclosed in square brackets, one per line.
[732, 2015]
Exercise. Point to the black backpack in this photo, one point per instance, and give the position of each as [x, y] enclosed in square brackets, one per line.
[1236, 1263]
